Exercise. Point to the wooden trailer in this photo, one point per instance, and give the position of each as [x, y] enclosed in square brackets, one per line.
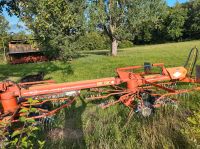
[21, 51]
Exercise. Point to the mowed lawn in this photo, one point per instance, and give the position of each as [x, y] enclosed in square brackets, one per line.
[86, 125]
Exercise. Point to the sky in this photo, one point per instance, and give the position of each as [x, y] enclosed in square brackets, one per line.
[14, 21]
[172, 2]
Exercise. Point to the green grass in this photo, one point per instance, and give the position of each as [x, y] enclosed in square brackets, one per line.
[85, 125]
[96, 64]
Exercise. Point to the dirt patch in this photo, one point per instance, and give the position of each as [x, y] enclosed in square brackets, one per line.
[70, 123]
[73, 133]
[58, 133]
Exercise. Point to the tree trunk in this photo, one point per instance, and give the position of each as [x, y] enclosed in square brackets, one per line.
[114, 47]
[4, 50]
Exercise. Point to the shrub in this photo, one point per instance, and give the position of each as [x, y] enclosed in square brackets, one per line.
[125, 44]
[92, 41]
[25, 135]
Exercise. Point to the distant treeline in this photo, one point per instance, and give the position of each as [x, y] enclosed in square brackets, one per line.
[181, 22]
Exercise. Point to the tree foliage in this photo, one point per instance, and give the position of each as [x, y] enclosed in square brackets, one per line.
[4, 27]
[55, 23]
[193, 20]
[195, 17]
[175, 22]
[92, 41]
[10, 5]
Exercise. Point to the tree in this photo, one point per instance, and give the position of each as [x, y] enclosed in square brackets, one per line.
[4, 27]
[22, 35]
[120, 18]
[145, 33]
[10, 5]
[55, 23]
[175, 21]
[192, 23]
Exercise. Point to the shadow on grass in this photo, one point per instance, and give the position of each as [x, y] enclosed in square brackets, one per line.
[98, 52]
[74, 136]
[70, 133]
[14, 72]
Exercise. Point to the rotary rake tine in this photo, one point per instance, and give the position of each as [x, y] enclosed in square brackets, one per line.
[130, 115]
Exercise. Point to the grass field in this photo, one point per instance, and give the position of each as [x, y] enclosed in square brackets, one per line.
[85, 125]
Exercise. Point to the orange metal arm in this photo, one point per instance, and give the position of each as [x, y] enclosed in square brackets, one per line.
[70, 86]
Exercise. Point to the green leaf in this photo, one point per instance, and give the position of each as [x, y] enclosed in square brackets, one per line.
[30, 120]
[24, 142]
[15, 133]
[192, 120]
[33, 110]
[15, 141]
[41, 144]
[23, 110]
[30, 100]
[34, 101]
[22, 119]
[24, 139]
[35, 128]
[32, 135]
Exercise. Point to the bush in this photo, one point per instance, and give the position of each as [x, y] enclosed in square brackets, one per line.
[125, 44]
[23, 137]
[92, 41]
